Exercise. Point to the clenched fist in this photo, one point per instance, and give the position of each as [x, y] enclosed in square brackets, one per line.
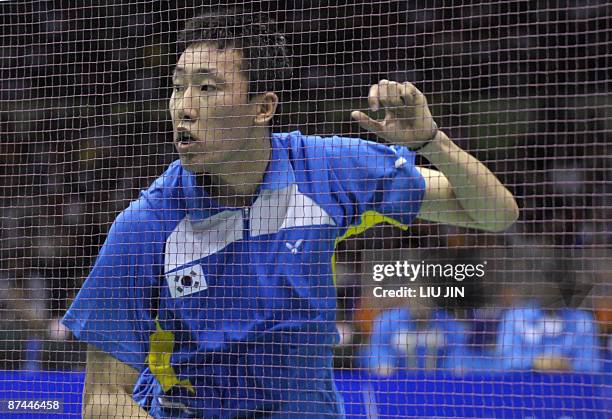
[407, 121]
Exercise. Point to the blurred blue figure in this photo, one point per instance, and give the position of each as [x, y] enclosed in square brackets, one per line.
[33, 355]
[534, 338]
[399, 341]
[477, 354]
[608, 356]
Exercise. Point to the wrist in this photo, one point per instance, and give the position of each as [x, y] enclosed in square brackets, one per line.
[430, 144]
[428, 141]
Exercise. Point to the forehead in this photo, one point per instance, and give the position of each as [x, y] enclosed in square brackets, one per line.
[205, 57]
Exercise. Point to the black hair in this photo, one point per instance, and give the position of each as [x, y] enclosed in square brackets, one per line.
[264, 52]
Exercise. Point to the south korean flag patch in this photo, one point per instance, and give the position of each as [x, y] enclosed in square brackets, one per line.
[186, 281]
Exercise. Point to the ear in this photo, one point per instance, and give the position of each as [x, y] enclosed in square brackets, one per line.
[265, 107]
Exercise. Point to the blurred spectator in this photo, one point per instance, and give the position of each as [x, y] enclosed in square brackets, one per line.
[602, 303]
[483, 320]
[25, 311]
[352, 326]
[31, 337]
[402, 341]
[425, 332]
[543, 335]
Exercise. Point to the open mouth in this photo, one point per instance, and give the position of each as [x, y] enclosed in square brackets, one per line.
[185, 138]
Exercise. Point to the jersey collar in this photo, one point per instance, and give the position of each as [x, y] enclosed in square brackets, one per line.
[279, 174]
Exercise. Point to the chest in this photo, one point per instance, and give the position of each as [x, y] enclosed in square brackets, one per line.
[283, 234]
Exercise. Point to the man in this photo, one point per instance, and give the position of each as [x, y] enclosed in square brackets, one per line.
[403, 338]
[213, 295]
[540, 332]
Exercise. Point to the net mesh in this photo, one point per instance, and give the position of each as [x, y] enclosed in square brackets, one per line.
[326, 270]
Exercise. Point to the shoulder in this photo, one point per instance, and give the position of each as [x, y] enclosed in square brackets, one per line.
[156, 206]
[397, 314]
[520, 314]
[582, 320]
[332, 146]
[164, 188]
[443, 315]
[577, 314]
[349, 159]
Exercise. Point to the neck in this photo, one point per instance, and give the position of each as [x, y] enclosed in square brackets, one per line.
[237, 186]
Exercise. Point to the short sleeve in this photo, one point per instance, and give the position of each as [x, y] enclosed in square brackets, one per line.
[377, 177]
[113, 310]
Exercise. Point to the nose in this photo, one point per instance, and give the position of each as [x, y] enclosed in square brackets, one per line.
[186, 107]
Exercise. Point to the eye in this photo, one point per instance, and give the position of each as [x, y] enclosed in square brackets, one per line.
[208, 88]
[178, 88]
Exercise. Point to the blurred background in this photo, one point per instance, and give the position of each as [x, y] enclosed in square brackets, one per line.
[524, 86]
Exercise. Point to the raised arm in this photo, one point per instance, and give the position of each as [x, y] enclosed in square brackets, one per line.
[108, 388]
[462, 191]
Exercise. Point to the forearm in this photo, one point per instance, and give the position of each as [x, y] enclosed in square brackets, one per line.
[104, 402]
[108, 387]
[484, 198]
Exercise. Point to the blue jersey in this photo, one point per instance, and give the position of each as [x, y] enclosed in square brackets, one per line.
[397, 344]
[527, 333]
[224, 310]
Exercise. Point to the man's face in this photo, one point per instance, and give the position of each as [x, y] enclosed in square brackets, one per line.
[211, 113]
